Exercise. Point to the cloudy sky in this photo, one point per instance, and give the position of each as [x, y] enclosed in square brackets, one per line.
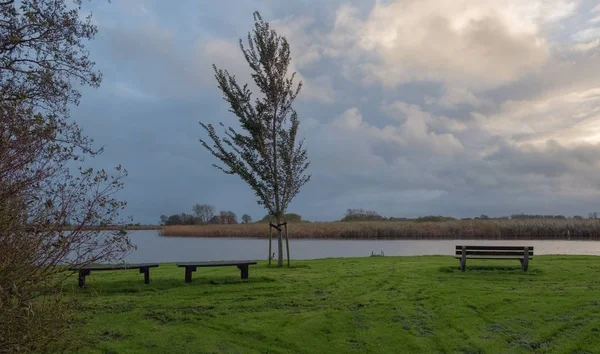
[410, 107]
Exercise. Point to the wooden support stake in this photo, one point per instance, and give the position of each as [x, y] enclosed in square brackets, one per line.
[287, 244]
[270, 241]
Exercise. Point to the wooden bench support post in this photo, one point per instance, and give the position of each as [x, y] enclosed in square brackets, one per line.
[525, 263]
[188, 273]
[244, 270]
[146, 272]
[463, 259]
[82, 274]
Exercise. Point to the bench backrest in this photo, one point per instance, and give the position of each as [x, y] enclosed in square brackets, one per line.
[505, 251]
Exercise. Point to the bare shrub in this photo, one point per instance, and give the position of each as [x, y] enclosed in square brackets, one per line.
[52, 208]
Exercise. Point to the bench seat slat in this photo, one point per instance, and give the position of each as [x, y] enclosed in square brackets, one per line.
[214, 263]
[496, 248]
[98, 267]
[494, 253]
[492, 257]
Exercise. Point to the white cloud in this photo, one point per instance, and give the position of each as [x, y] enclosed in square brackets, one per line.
[402, 111]
[588, 34]
[596, 10]
[473, 43]
[350, 119]
[305, 51]
[568, 118]
[454, 96]
[316, 89]
[413, 132]
[226, 55]
[588, 38]
[587, 46]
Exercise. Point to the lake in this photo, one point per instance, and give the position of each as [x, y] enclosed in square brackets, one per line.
[154, 248]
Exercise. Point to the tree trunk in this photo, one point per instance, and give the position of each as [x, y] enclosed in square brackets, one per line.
[279, 244]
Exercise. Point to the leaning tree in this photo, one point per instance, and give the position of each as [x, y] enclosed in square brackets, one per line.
[265, 152]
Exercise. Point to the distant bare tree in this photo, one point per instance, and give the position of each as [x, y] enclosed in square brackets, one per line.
[266, 155]
[246, 219]
[204, 212]
[228, 217]
[163, 219]
[361, 215]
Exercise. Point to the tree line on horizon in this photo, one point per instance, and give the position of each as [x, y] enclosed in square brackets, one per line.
[205, 214]
[370, 215]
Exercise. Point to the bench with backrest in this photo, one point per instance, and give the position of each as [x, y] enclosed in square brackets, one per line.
[191, 267]
[86, 270]
[522, 253]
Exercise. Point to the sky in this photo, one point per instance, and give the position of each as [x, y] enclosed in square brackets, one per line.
[409, 107]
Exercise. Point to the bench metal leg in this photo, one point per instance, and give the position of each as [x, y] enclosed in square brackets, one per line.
[188, 274]
[463, 259]
[146, 271]
[244, 270]
[81, 280]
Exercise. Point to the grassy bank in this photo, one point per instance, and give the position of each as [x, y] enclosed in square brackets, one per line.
[539, 229]
[378, 305]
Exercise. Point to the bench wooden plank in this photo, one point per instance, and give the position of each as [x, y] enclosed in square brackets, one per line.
[213, 263]
[496, 248]
[492, 257]
[115, 266]
[495, 253]
[192, 266]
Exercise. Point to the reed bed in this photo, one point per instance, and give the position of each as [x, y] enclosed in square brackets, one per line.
[535, 229]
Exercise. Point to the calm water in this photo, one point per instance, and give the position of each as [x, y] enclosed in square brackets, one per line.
[153, 248]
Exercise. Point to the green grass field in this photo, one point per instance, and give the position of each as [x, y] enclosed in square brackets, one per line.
[374, 305]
